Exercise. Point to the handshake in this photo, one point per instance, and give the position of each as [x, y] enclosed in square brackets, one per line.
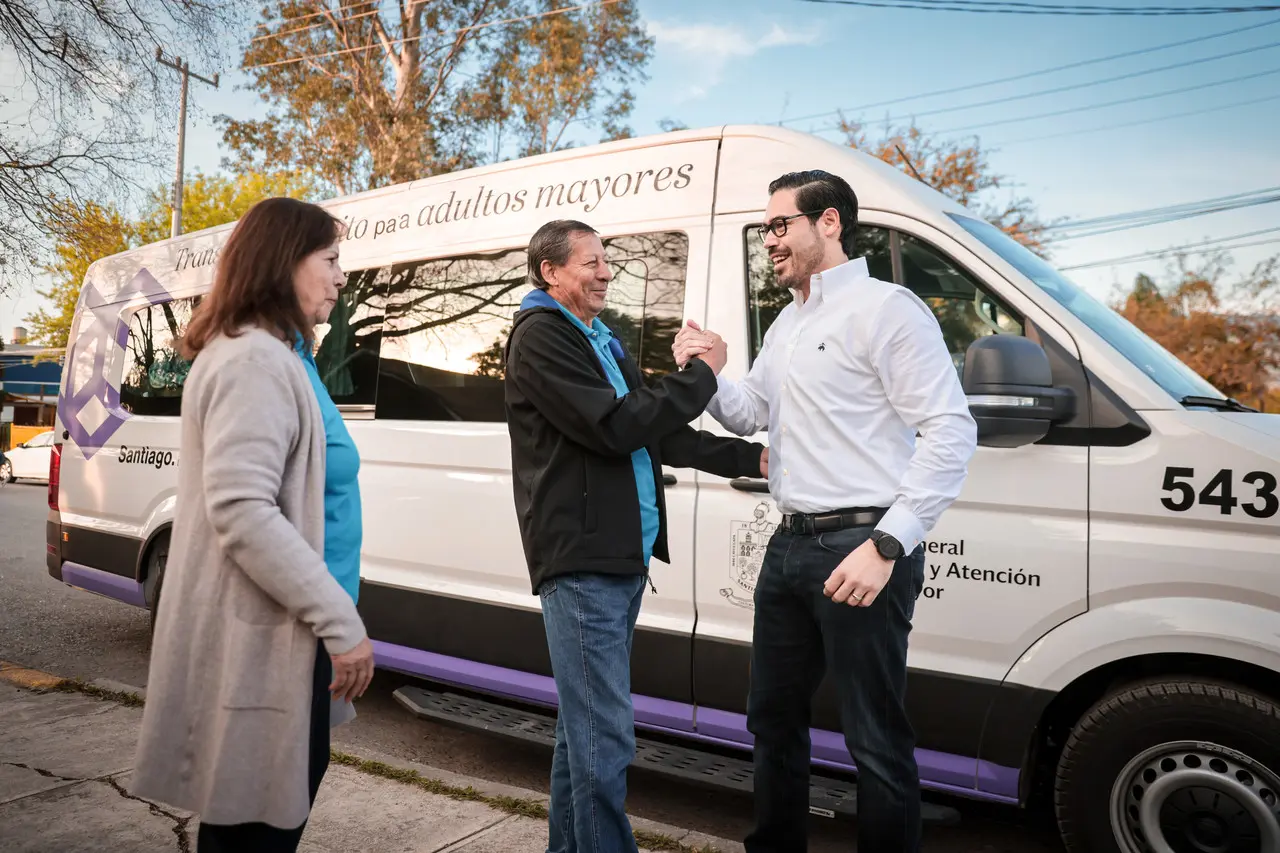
[693, 341]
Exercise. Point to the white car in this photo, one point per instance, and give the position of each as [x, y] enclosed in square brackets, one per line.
[28, 461]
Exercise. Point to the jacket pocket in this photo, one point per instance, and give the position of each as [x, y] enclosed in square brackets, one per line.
[256, 667]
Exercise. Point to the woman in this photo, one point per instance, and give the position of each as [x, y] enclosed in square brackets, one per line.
[259, 624]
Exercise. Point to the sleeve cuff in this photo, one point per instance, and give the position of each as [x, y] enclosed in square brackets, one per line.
[901, 524]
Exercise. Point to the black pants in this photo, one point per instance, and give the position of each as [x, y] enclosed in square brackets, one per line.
[264, 838]
[799, 634]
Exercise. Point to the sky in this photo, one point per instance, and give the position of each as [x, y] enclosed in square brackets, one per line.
[771, 61]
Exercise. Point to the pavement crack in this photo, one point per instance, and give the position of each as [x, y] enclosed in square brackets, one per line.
[179, 823]
[45, 773]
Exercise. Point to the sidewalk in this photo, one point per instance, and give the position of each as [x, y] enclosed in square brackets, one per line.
[66, 750]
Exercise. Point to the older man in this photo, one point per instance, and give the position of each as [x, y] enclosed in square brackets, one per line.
[588, 441]
[848, 375]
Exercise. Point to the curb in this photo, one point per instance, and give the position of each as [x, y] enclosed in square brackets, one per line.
[510, 798]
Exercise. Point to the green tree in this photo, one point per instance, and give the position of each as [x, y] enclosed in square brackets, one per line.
[84, 232]
[369, 96]
[554, 71]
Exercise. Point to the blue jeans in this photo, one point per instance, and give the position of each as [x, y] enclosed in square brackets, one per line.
[590, 621]
[799, 635]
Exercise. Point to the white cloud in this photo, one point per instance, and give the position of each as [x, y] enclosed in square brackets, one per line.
[709, 48]
[779, 37]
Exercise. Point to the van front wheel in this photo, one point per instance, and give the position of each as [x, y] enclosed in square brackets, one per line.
[151, 587]
[1172, 766]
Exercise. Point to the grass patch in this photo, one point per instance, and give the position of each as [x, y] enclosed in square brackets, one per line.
[123, 697]
[510, 805]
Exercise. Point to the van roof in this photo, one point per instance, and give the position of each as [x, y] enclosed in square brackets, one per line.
[764, 150]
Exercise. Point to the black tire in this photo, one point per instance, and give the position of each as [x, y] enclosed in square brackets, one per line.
[157, 558]
[1165, 749]
[6, 472]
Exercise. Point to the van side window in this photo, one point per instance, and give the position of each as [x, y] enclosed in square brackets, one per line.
[154, 372]
[965, 311]
[766, 298]
[646, 297]
[347, 346]
[448, 320]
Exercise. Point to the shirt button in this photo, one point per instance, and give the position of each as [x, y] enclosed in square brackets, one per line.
[786, 473]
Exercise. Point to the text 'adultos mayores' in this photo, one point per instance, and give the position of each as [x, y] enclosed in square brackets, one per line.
[588, 193]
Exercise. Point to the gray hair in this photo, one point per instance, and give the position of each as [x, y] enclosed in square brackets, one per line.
[551, 243]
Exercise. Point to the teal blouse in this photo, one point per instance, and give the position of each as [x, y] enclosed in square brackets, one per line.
[343, 528]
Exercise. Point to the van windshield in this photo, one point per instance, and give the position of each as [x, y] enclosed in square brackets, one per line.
[1132, 343]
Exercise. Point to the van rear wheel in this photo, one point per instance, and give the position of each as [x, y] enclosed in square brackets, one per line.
[1172, 767]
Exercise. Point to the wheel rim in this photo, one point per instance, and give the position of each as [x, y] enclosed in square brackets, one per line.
[1195, 797]
[6, 471]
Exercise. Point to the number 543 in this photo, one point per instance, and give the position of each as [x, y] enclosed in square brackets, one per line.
[1219, 492]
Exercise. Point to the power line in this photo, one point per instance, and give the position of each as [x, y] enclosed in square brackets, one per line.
[1153, 120]
[1105, 104]
[1178, 217]
[1077, 10]
[296, 18]
[1116, 217]
[1163, 215]
[1087, 83]
[282, 33]
[459, 31]
[1042, 71]
[1143, 256]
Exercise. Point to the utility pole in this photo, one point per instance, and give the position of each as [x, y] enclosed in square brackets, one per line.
[184, 69]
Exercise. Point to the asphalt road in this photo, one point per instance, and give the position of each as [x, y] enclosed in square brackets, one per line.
[50, 626]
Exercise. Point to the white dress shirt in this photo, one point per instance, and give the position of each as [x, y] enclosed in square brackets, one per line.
[843, 382]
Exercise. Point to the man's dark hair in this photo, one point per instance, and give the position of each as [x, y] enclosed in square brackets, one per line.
[551, 243]
[816, 191]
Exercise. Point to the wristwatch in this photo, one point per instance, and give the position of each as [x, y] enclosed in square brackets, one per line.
[889, 548]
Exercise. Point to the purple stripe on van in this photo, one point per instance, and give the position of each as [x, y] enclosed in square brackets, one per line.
[127, 590]
[938, 770]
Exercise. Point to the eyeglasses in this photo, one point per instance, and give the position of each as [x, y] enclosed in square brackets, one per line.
[778, 225]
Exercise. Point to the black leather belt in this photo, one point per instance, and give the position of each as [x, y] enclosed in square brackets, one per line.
[804, 523]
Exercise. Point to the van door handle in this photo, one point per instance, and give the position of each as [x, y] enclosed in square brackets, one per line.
[668, 479]
[747, 484]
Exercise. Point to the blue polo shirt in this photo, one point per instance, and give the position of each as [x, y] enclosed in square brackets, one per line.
[343, 527]
[609, 350]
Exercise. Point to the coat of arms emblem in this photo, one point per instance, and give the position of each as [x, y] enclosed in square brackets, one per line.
[748, 542]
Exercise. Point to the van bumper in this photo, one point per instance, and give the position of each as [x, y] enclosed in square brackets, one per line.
[53, 544]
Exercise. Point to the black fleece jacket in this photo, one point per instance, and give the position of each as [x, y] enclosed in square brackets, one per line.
[571, 443]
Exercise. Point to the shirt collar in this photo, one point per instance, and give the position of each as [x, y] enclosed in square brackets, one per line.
[849, 271]
[540, 298]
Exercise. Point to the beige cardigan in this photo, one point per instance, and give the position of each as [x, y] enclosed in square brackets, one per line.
[246, 594]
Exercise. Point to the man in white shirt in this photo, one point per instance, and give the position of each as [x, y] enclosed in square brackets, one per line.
[848, 374]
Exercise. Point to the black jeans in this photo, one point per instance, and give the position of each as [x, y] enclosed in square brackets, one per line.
[800, 634]
[262, 837]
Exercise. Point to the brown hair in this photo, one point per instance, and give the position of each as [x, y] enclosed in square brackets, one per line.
[254, 280]
[551, 243]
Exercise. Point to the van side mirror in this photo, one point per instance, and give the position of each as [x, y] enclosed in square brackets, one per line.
[1011, 394]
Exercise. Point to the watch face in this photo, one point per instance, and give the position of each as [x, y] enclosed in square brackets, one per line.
[889, 548]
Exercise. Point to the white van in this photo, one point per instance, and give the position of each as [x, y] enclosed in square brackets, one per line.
[1100, 620]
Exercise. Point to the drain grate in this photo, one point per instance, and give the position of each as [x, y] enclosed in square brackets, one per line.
[827, 797]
